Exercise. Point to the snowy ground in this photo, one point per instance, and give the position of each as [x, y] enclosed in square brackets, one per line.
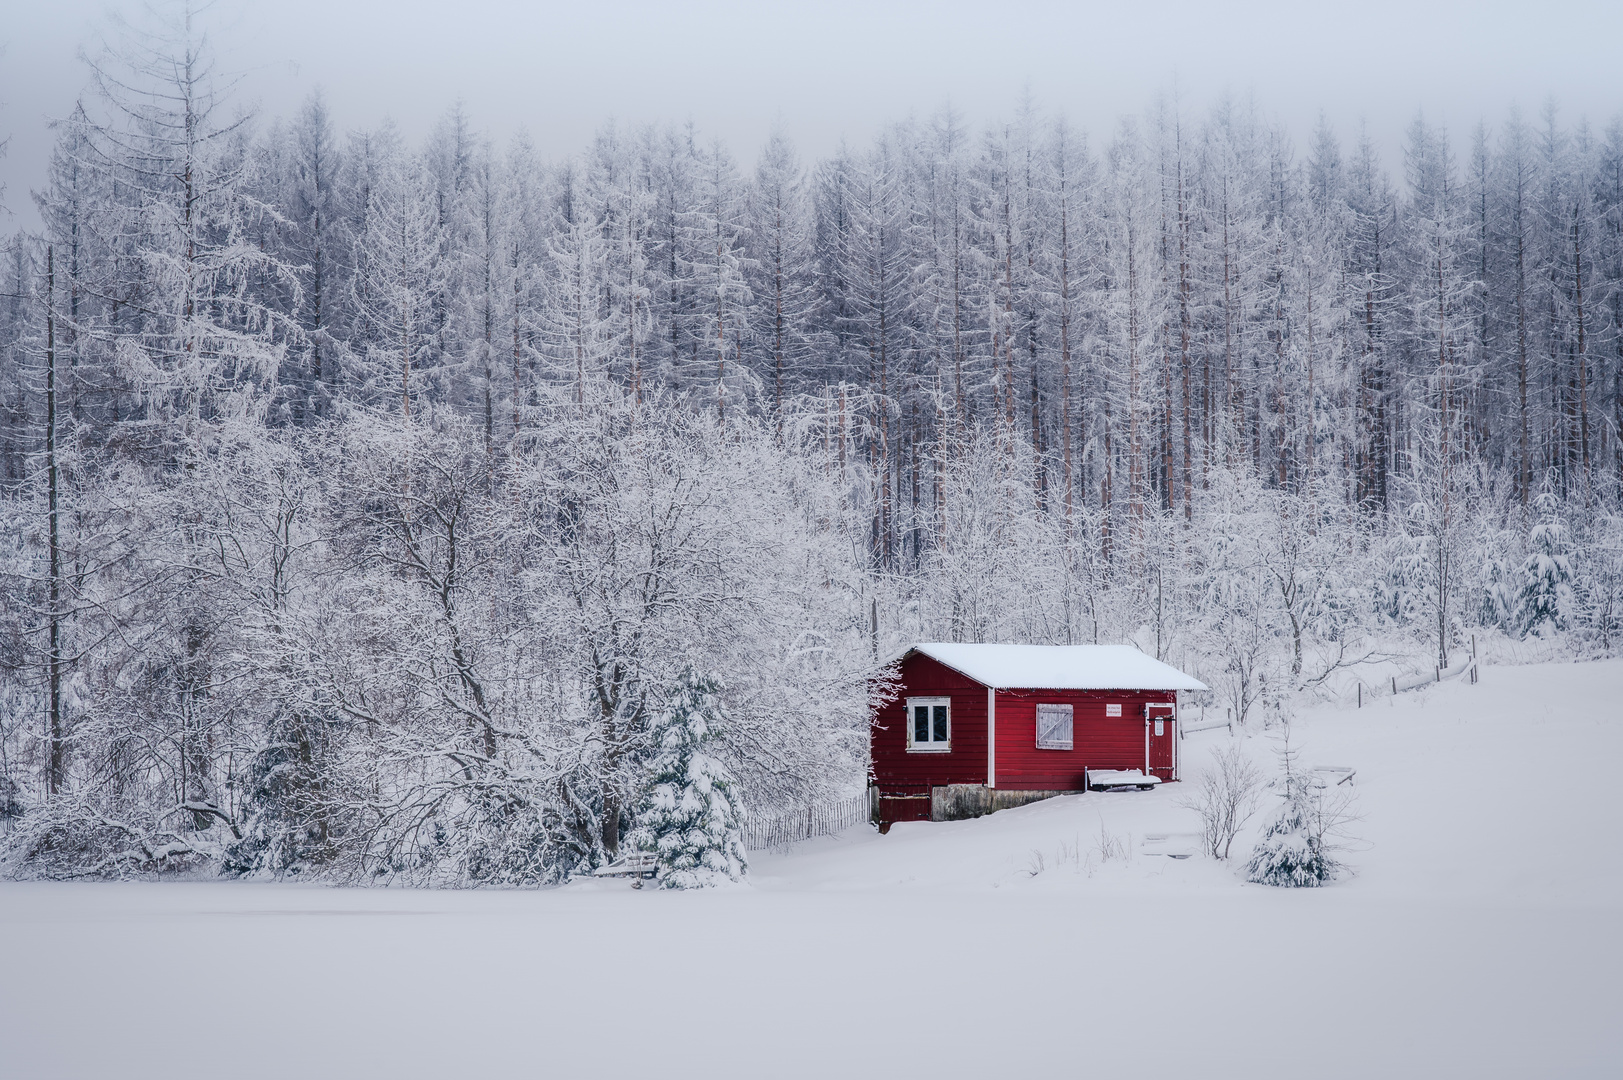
[1481, 937]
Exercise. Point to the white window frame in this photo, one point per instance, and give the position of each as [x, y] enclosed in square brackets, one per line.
[1041, 705]
[931, 746]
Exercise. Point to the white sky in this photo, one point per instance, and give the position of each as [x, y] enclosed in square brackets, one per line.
[842, 68]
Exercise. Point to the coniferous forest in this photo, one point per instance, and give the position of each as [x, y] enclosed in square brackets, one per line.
[364, 502]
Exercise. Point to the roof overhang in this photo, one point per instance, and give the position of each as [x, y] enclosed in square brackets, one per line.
[1057, 667]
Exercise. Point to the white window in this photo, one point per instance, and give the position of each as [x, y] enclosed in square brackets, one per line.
[929, 723]
[1053, 727]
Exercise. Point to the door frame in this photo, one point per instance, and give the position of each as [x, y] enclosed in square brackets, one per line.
[1166, 711]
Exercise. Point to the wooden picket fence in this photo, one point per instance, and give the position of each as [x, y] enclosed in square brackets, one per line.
[777, 830]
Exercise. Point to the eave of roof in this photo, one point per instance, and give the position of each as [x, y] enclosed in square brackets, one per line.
[1058, 667]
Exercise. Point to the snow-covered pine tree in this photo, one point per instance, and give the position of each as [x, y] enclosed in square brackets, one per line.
[778, 270]
[691, 815]
[288, 827]
[318, 241]
[398, 277]
[1498, 606]
[1291, 853]
[1544, 588]
[578, 332]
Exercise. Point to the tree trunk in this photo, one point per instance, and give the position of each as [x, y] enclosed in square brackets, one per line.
[55, 764]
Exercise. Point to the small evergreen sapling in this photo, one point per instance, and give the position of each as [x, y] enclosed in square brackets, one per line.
[1292, 853]
[1289, 855]
[691, 815]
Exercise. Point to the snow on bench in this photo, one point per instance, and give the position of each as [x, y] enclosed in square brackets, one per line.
[1319, 778]
[1333, 775]
[1118, 779]
[1176, 845]
[638, 864]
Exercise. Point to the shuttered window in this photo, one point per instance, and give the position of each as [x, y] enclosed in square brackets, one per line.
[929, 724]
[1053, 727]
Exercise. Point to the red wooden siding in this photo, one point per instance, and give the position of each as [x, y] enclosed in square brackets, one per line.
[1098, 741]
[965, 763]
[904, 802]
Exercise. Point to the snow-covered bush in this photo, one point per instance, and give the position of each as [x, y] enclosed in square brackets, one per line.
[74, 838]
[690, 816]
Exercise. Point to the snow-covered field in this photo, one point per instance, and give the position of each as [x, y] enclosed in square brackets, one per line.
[1480, 937]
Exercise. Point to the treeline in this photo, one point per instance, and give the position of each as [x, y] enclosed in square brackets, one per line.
[362, 499]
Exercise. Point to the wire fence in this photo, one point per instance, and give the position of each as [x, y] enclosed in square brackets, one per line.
[776, 831]
[1484, 650]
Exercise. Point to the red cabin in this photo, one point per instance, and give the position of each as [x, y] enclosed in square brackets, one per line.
[977, 728]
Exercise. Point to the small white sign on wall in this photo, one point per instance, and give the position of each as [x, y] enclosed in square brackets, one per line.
[1113, 710]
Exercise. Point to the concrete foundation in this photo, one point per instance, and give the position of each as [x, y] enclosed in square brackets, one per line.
[955, 802]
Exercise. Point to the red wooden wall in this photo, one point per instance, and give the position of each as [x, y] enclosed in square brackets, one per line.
[965, 763]
[1098, 741]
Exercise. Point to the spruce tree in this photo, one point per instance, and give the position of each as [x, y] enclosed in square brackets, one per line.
[288, 824]
[1544, 592]
[690, 814]
[1291, 853]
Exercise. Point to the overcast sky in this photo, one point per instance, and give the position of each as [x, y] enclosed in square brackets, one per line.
[841, 69]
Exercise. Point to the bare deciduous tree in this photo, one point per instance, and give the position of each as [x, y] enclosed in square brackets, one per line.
[1225, 796]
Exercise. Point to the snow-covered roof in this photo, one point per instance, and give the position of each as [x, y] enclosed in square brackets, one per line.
[1060, 667]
